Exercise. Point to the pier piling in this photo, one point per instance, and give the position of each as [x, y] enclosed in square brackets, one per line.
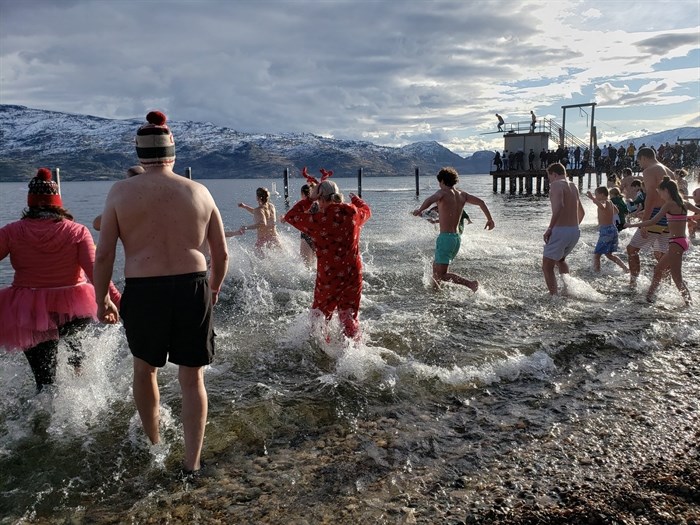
[285, 180]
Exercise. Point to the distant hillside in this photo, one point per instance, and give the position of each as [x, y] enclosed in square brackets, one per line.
[90, 148]
[656, 139]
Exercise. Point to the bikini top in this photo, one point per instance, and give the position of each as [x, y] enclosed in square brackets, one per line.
[670, 217]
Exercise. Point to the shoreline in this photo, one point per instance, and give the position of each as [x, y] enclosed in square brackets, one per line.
[480, 458]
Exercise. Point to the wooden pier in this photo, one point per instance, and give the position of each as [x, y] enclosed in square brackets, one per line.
[535, 182]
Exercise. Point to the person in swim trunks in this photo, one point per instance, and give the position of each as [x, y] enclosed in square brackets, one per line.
[163, 220]
[563, 232]
[655, 237]
[450, 202]
[607, 230]
[675, 211]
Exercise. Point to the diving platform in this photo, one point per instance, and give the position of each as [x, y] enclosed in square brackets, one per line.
[522, 139]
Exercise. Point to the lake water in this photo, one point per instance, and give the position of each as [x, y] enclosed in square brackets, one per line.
[443, 387]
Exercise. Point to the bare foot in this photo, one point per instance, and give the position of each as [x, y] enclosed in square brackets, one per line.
[473, 285]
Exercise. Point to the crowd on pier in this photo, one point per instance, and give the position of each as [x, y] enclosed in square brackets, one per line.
[609, 159]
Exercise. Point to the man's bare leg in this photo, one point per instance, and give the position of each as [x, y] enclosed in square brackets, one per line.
[147, 398]
[596, 262]
[440, 273]
[194, 413]
[550, 278]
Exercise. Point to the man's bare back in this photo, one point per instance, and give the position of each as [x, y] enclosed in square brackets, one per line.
[566, 205]
[450, 205]
[162, 220]
[652, 175]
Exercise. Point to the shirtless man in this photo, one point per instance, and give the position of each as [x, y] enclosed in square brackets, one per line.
[563, 232]
[450, 203]
[163, 220]
[654, 237]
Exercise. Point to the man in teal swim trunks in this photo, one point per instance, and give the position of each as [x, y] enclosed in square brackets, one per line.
[450, 203]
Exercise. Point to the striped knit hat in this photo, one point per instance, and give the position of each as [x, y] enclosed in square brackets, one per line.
[155, 145]
[43, 191]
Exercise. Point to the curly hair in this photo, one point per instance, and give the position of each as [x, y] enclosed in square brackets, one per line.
[448, 176]
[47, 212]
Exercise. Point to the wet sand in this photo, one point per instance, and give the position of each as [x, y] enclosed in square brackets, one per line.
[610, 437]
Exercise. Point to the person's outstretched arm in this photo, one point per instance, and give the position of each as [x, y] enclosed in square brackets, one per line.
[471, 199]
[428, 202]
[656, 218]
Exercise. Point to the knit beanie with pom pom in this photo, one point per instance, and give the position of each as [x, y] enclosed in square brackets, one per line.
[43, 191]
[155, 145]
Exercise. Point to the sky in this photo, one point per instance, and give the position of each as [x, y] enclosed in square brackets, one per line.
[389, 72]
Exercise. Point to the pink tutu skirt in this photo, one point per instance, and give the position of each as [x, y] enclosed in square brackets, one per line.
[29, 316]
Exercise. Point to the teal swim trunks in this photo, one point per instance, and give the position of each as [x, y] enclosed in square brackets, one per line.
[446, 247]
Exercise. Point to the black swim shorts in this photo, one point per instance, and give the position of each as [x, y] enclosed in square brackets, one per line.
[169, 318]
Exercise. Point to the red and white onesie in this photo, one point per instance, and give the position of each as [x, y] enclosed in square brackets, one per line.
[336, 235]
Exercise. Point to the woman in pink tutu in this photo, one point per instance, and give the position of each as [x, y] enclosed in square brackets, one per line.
[51, 295]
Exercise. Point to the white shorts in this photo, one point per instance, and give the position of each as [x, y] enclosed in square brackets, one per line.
[658, 242]
[561, 242]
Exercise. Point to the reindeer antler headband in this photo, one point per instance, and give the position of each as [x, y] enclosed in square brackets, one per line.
[325, 174]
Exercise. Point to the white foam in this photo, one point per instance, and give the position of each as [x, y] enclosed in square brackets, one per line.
[579, 289]
[82, 398]
[537, 365]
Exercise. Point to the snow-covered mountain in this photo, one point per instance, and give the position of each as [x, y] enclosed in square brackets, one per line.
[87, 147]
[649, 138]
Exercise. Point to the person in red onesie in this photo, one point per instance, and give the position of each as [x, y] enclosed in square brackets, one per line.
[334, 227]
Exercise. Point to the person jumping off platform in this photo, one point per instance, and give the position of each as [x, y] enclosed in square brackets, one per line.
[500, 122]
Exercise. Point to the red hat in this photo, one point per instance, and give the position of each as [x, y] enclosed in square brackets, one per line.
[43, 191]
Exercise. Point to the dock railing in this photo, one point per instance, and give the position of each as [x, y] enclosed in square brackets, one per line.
[549, 126]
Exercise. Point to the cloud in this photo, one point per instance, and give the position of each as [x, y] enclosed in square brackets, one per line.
[657, 93]
[664, 43]
[591, 13]
[397, 71]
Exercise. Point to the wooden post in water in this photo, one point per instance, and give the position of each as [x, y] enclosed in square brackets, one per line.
[589, 180]
[188, 173]
[418, 182]
[512, 185]
[285, 182]
[503, 184]
[359, 183]
[528, 185]
[539, 185]
[495, 184]
[57, 177]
